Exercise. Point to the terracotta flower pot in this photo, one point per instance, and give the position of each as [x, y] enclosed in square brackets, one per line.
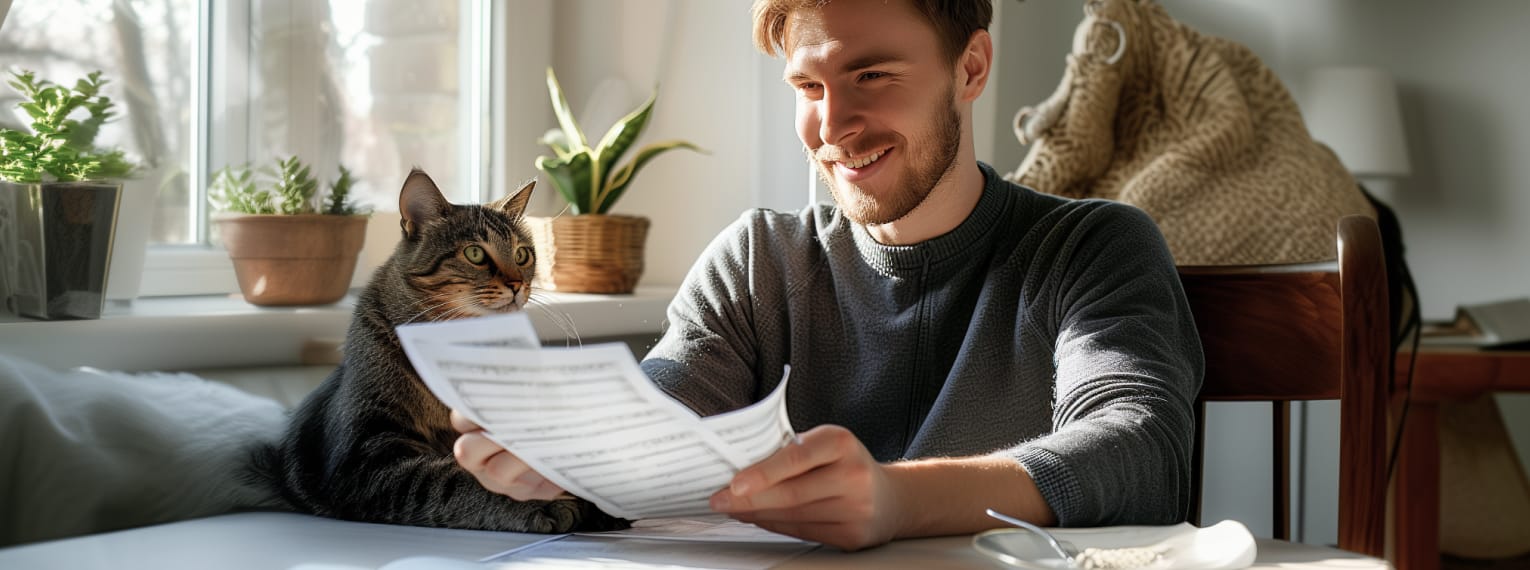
[589, 253]
[293, 260]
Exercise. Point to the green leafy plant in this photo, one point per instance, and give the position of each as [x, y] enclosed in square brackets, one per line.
[60, 147]
[289, 188]
[588, 176]
[339, 203]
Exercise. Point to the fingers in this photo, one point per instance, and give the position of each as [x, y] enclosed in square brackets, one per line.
[462, 424]
[825, 511]
[822, 483]
[501, 471]
[516, 479]
[818, 447]
[827, 489]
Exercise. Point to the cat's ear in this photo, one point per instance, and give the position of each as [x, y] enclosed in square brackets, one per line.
[420, 202]
[514, 205]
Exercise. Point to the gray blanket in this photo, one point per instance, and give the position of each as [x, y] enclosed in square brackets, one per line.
[87, 451]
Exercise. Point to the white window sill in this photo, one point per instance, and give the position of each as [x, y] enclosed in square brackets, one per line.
[180, 333]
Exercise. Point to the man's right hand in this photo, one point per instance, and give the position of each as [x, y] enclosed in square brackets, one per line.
[496, 469]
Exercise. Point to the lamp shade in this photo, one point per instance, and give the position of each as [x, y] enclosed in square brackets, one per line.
[1354, 111]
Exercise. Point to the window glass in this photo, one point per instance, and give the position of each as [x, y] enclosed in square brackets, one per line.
[372, 85]
[145, 48]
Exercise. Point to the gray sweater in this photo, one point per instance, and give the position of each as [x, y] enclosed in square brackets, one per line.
[1048, 330]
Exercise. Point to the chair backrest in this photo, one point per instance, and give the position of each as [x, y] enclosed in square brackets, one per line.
[1305, 332]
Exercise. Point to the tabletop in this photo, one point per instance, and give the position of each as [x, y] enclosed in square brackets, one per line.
[293, 541]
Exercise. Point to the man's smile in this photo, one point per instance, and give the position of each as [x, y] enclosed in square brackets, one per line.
[856, 169]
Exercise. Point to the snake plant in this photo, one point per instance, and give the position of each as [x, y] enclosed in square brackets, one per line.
[587, 176]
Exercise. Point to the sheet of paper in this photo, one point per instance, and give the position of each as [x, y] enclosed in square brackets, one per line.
[595, 552]
[589, 420]
[711, 528]
[760, 429]
[510, 329]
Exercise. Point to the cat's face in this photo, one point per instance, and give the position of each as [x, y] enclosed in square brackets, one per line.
[463, 261]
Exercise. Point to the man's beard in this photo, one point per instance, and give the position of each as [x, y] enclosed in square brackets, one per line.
[922, 172]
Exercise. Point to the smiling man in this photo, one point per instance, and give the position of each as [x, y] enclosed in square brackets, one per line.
[956, 342]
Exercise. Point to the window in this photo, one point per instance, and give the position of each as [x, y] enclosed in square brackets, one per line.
[376, 85]
[146, 48]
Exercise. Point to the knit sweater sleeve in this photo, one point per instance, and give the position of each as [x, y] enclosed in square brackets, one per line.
[1128, 366]
[706, 356]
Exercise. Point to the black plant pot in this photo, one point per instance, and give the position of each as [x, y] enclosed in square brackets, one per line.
[56, 247]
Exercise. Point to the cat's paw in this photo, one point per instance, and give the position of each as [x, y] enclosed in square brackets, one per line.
[595, 520]
[553, 517]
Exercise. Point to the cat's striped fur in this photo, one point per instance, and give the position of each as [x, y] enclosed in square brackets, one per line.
[372, 443]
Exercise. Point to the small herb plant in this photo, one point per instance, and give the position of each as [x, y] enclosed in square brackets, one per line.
[588, 176]
[60, 147]
[289, 188]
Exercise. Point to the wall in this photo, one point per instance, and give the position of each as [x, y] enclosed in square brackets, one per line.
[1462, 81]
[698, 53]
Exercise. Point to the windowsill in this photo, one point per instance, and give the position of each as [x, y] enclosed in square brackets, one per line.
[179, 333]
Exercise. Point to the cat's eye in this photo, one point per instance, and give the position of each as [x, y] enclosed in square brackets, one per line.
[522, 255]
[474, 254]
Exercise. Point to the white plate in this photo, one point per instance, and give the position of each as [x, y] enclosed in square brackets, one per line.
[1224, 546]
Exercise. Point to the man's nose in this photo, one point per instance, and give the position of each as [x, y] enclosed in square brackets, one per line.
[840, 118]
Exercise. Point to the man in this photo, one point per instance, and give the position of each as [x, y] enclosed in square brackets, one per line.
[956, 342]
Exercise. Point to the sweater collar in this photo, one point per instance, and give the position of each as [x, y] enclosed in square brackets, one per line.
[972, 231]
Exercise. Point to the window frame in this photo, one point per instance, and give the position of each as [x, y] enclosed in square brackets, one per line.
[222, 92]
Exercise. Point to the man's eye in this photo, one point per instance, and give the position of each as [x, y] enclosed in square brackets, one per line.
[870, 75]
[474, 254]
[810, 91]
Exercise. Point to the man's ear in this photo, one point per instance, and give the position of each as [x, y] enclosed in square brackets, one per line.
[974, 65]
[514, 205]
[419, 203]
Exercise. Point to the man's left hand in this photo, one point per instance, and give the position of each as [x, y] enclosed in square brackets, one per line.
[827, 489]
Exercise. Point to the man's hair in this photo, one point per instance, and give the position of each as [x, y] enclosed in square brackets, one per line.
[954, 21]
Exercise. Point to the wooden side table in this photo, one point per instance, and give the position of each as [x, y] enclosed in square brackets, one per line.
[1440, 374]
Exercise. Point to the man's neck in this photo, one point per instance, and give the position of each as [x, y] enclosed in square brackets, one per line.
[947, 206]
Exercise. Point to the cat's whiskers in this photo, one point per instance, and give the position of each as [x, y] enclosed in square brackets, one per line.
[563, 322]
[449, 296]
[465, 310]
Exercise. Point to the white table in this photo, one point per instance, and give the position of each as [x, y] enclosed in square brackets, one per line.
[283, 540]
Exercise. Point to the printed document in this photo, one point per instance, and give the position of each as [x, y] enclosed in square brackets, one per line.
[588, 419]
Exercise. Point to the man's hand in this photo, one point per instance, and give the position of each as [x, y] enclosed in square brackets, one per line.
[827, 489]
[496, 469]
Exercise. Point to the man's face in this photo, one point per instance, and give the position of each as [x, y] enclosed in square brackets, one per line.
[876, 104]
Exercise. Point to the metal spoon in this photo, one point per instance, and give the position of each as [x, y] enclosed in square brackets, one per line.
[1068, 558]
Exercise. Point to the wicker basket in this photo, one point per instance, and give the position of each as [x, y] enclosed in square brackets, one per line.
[590, 253]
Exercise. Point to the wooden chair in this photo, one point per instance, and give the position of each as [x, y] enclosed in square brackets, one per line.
[1305, 332]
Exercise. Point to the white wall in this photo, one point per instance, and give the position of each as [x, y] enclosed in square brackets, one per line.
[710, 85]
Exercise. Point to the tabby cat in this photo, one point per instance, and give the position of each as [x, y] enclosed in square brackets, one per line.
[372, 443]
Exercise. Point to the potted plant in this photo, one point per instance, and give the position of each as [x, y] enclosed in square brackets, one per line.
[59, 195]
[289, 245]
[593, 251]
